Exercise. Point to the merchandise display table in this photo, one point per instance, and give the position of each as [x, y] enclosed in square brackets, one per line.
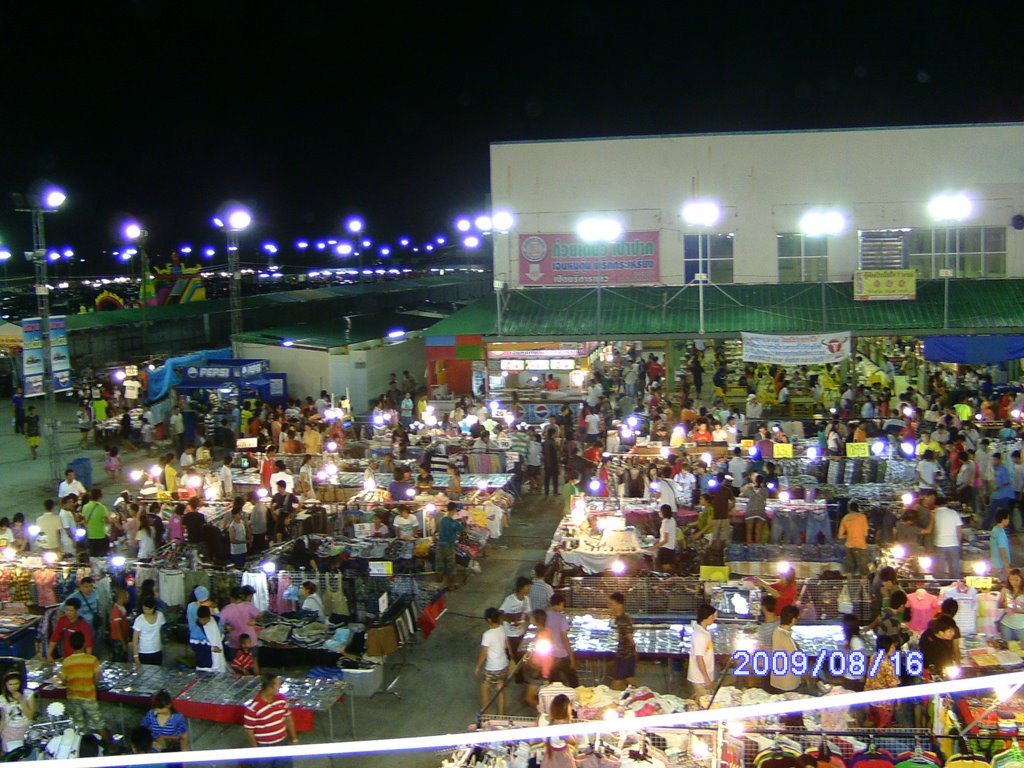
[18, 635]
[222, 698]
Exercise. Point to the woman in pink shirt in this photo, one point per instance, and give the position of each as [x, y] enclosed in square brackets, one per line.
[175, 526]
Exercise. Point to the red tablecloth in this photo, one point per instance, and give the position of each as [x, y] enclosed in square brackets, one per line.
[231, 714]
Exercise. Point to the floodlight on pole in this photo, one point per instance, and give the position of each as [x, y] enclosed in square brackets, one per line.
[951, 209]
[53, 198]
[502, 221]
[463, 225]
[344, 249]
[133, 231]
[235, 220]
[822, 223]
[483, 223]
[355, 225]
[701, 213]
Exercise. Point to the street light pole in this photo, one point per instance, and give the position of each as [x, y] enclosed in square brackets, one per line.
[37, 208]
[950, 209]
[133, 231]
[236, 282]
[701, 214]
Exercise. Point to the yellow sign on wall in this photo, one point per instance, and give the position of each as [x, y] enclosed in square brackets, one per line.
[857, 450]
[782, 451]
[885, 285]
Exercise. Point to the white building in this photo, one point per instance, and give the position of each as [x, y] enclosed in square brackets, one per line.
[880, 181]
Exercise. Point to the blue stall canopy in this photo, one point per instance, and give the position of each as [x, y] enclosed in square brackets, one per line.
[244, 374]
[973, 350]
[168, 375]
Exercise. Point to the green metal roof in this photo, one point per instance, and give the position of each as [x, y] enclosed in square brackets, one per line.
[259, 301]
[978, 306]
[331, 335]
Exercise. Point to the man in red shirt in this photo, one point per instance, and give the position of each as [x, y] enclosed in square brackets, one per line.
[267, 468]
[654, 369]
[267, 720]
[67, 625]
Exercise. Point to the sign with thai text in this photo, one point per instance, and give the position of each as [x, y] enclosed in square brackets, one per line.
[563, 259]
[796, 350]
[885, 285]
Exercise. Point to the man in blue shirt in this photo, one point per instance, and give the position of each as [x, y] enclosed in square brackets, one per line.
[448, 530]
[1003, 494]
[999, 547]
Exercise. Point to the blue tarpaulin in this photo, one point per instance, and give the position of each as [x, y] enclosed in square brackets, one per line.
[973, 350]
[163, 378]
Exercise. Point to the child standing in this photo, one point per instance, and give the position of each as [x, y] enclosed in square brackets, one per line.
[245, 663]
[112, 463]
[120, 633]
[494, 658]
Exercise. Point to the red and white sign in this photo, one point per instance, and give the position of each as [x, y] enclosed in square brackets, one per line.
[565, 260]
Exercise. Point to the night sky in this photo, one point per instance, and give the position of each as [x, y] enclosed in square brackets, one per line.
[307, 111]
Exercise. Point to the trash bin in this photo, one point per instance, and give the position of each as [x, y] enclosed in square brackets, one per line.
[83, 470]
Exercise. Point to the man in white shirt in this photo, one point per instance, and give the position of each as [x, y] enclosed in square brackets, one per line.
[594, 394]
[867, 411]
[282, 474]
[732, 431]
[927, 472]
[701, 672]
[70, 484]
[948, 531]
[685, 481]
[718, 434]
[515, 612]
[737, 468]
[322, 402]
[784, 393]
[67, 526]
[227, 485]
[754, 408]
[593, 421]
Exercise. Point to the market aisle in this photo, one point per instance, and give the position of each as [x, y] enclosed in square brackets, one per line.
[442, 696]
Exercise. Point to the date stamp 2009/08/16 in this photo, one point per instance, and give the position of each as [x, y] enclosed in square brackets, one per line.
[835, 663]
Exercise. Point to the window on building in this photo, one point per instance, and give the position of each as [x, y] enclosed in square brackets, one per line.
[802, 259]
[969, 251]
[717, 258]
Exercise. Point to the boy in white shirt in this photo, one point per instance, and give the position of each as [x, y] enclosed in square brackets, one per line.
[494, 656]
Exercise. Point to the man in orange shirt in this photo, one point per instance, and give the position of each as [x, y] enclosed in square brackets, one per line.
[80, 673]
[853, 529]
[551, 383]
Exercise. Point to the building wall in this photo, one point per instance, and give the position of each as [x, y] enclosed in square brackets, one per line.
[370, 369]
[765, 183]
[307, 369]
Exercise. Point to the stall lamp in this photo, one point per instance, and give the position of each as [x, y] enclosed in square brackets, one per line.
[542, 647]
[699, 749]
[9, 553]
[332, 446]
[369, 484]
[925, 563]
[908, 412]
[287, 343]
[706, 458]
[50, 557]
[210, 493]
[155, 471]
[772, 486]
[481, 485]
[979, 416]
[410, 493]
[321, 476]
[776, 428]
[494, 405]
[510, 418]
[712, 483]
[626, 433]
[908, 448]
[33, 530]
[981, 568]
[118, 561]
[594, 486]
[430, 420]
[899, 552]
[195, 481]
[878, 448]
[331, 470]
[261, 493]
[120, 375]
[655, 486]
[268, 567]
[79, 533]
[783, 567]
[1015, 413]
[632, 421]
[471, 420]
[611, 714]
[752, 451]
[678, 431]
[618, 567]
[736, 728]
[378, 420]
[812, 453]
[135, 475]
[152, 367]
[665, 452]
[833, 411]
[907, 499]
[784, 496]
[951, 672]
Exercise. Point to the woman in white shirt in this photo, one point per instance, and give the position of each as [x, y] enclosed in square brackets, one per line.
[146, 537]
[665, 554]
[311, 601]
[147, 645]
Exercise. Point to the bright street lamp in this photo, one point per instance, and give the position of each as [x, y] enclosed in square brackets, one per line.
[503, 221]
[701, 214]
[134, 232]
[483, 223]
[53, 198]
[463, 225]
[820, 222]
[236, 220]
[354, 225]
[951, 209]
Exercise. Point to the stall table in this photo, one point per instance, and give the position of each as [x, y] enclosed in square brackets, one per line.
[221, 698]
[18, 635]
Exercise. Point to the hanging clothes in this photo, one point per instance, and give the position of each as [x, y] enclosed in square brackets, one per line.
[172, 587]
[46, 586]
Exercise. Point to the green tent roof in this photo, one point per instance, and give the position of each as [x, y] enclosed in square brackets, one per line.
[976, 306]
[329, 335]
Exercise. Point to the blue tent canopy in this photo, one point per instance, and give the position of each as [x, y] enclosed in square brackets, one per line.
[973, 350]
